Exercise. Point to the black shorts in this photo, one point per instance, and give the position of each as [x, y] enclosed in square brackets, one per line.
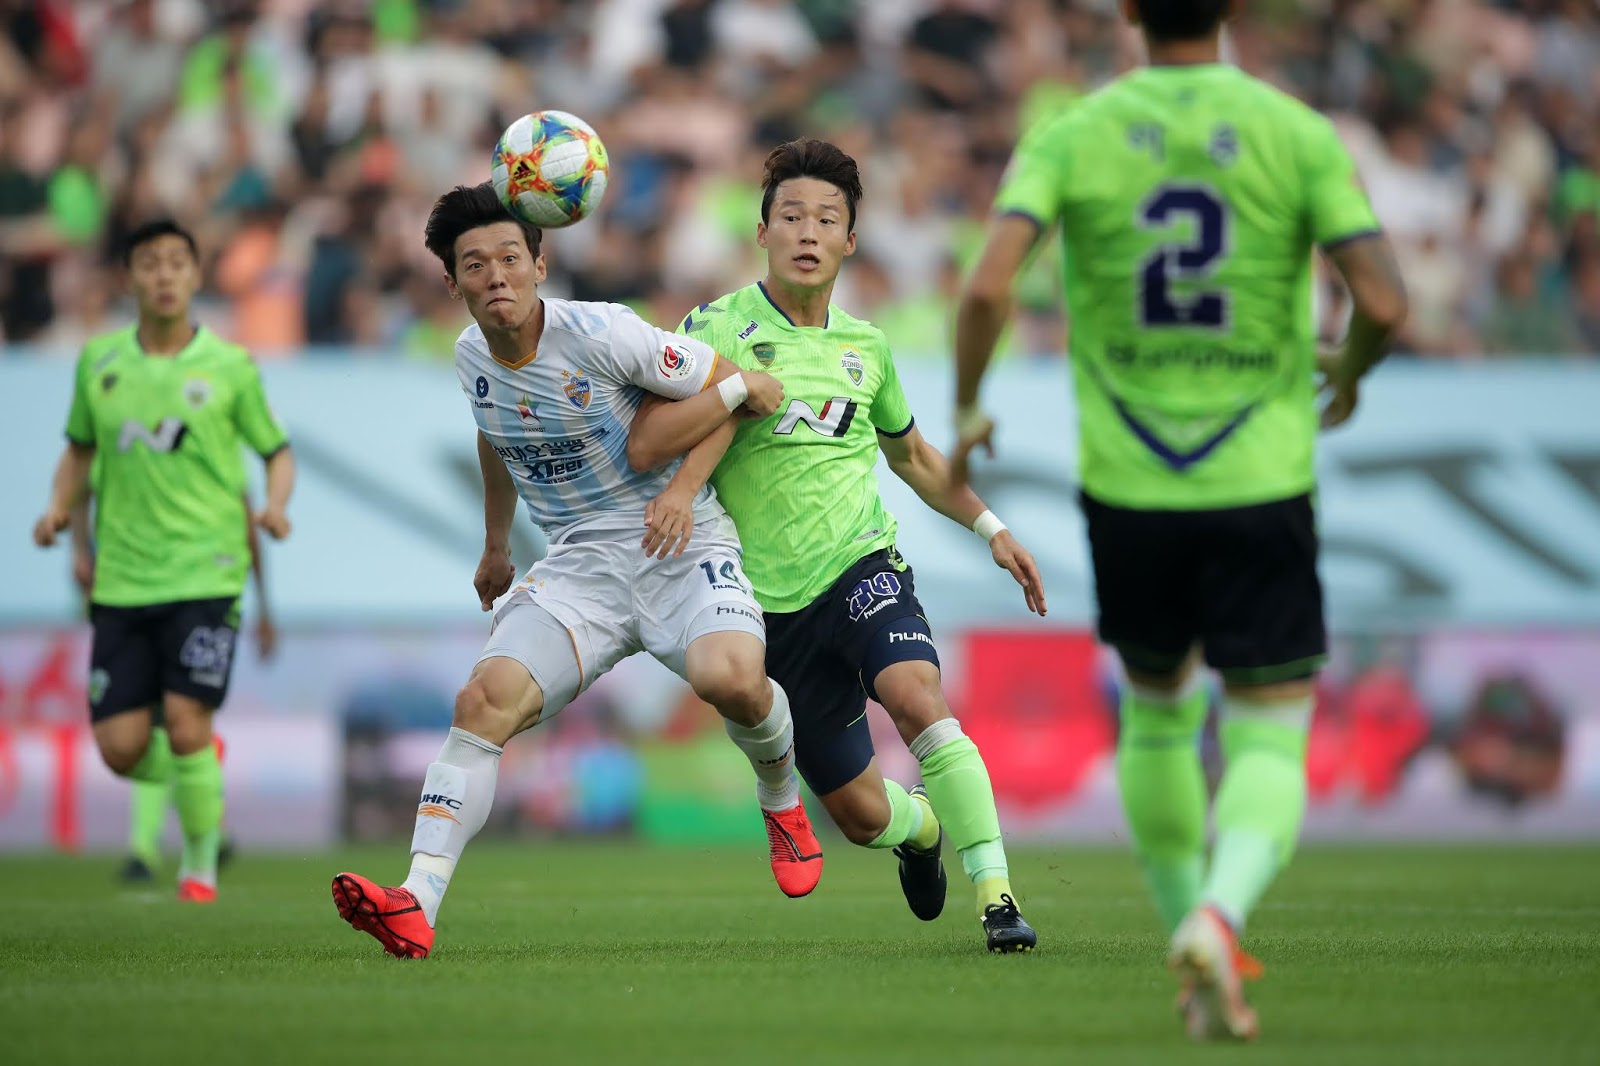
[1241, 582]
[185, 646]
[828, 654]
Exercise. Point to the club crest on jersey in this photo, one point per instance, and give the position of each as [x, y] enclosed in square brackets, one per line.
[764, 352]
[528, 411]
[851, 361]
[197, 391]
[675, 363]
[577, 390]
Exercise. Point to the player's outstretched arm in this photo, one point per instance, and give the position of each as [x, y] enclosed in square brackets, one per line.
[69, 488]
[1372, 274]
[920, 465]
[662, 429]
[669, 518]
[980, 316]
[495, 571]
[82, 548]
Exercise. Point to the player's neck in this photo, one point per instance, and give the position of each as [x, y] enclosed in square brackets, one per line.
[165, 336]
[803, 307]
[1185, 53]
[517, 343]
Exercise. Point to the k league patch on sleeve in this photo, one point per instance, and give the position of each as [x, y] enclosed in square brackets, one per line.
[676, 363]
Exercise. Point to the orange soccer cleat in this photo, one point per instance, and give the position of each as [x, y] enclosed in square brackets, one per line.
[192, 890]
[391, 915]
[796, 853]
[1211, 970]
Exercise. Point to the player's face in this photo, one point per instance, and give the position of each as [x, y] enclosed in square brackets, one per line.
[496, 276]
[164, 276]
[807, 233]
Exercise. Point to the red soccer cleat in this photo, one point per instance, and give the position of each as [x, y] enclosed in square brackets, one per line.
[391, 915]
[1211, 969]
[796, 853]
[192, 891]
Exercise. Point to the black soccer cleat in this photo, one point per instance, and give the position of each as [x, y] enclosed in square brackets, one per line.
[1006, 930]
[922, 876]
[225, 851]
[136, 872]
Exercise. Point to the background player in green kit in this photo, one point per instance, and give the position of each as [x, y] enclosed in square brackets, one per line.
[164, 405]
[842, 617]
[1190, 197]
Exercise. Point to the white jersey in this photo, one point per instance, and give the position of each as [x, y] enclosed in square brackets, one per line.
[560, 417]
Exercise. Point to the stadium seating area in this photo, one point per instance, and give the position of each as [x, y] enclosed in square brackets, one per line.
[305, 140]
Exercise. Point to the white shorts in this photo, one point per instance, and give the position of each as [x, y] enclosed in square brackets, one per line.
[596, 599]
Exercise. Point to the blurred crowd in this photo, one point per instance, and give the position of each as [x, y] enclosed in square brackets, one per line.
[304, 142]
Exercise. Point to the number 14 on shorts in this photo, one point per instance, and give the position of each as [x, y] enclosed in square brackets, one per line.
[725, 576]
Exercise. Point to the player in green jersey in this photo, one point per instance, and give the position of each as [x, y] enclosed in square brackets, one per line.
[1190, 197]
[842, 617]
[164, 404]
[148, 801]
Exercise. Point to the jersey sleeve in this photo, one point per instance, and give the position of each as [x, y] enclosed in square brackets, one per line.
[253, 418]
[1037, 174]
[80, 419]
[891, 413]
[1336, 201]
[668, 364]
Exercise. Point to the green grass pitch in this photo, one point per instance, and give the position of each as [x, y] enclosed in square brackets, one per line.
[560, 953]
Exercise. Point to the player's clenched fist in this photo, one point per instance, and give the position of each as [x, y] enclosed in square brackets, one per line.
[275, 523]
[494, 576]
[763, 393]
[50, 523]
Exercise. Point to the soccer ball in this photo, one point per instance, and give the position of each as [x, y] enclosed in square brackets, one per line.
[549, 169]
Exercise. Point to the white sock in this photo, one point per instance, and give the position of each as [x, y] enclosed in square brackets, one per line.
[457, 794]
[770, 748]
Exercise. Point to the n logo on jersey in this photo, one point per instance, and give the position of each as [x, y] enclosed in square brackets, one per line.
[577, 390]
[168, 436]
[832, 421]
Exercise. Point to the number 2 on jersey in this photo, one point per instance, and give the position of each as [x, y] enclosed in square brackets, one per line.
[1179, 260]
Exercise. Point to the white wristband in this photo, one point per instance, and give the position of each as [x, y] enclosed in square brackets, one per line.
[987, 525]
[734, 391]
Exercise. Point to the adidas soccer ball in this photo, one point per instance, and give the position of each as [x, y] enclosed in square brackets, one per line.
[549, 169]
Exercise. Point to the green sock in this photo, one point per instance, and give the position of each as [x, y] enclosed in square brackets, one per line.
[905, 817]
[197, 789]
[958, 786]
[1260, 803]
[1163, 790]
[147, 816]
[155, 765]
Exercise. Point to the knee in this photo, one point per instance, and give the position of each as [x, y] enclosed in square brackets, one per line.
[861, 822]
[914, 707]
[478, 713]
[739, 690]
[121, 757]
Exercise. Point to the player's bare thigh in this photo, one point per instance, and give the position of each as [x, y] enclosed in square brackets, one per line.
[912, 693]
[861, 808]
[499, 700]
[123, 737]
[187, 721]
[728, 669]
[1175, 682]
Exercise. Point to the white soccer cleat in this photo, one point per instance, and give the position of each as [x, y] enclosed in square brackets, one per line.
[1212, 970]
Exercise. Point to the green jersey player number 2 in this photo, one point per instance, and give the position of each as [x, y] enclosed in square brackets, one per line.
[1190, 199]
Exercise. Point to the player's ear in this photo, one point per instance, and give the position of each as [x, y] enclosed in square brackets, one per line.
[850, 243]
[450, 283]
[540, 269]
[761, 234]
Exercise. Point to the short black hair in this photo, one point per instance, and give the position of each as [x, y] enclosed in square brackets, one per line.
[811, 158]
[149, 231]
[1181, 20]
[466, 207]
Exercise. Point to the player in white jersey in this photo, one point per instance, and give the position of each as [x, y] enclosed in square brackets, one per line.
[553, 386]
